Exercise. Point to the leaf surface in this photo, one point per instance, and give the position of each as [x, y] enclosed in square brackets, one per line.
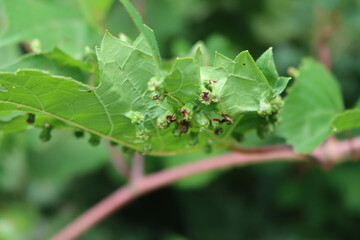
[52, 22]
[347, 120]
[310, 107]
[266, 64]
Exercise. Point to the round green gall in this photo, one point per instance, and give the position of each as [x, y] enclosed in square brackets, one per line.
[156, 83]
[135, 117]
[265, 108]
[94, 140]
[143, 134]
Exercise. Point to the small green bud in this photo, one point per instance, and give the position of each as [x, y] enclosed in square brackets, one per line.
[143, 134]
[277, 103]
[265, 108]
[135, 117]
[146, 148]
[157, 96]
[35, 46]
[162, 123]
[45, 134]
[112, 143]
[94, 140]
[79, 133]
[214, 97]
[155, 83]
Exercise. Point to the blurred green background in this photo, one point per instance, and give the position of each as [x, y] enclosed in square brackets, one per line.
[43, 186]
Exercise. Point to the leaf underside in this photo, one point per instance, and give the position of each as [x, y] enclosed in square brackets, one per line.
[132, 100]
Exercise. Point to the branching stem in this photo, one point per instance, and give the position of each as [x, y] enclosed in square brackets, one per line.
[118, 160]
[333, 151]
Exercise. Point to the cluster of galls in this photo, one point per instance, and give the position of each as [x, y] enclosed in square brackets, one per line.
[207, 93]
[142, 133]
[189, 118]
[45, 134]
[268, 111]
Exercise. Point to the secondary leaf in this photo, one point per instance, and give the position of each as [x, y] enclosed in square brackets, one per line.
[266, 64]
[52, 22]
[145, 30]
[312, 103]
[55, 62]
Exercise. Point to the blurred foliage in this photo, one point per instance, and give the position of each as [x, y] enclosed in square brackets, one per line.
[45, 185]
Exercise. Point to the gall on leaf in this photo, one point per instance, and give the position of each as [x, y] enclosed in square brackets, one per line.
[45, 134]
[94, 140]
[31, 118]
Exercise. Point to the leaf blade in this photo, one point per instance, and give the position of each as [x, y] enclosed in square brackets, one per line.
[312, 103]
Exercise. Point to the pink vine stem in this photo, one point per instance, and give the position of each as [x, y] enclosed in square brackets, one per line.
[333, 151]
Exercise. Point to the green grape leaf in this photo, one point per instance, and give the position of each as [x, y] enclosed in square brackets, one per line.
[266, 64]
[55, 62]
[123, 107]
[145, 30]
[310, 107]
[52, 22]
[347, 120]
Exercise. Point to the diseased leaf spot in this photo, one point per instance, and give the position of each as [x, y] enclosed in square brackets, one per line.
[205, 96]
[228, 120]
[170, 118]
[225, 118]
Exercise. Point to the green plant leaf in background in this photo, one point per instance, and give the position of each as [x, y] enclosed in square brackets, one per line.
[310, 107]
[52, 22]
